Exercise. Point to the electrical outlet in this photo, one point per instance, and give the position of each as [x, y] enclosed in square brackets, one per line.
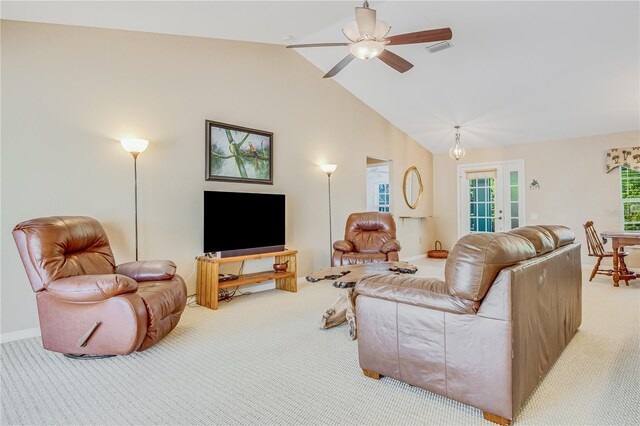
[420, 239]
[534, 216]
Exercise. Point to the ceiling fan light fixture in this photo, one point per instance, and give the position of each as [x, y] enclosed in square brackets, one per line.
[382, 29]
[366, 49]
[351, 31]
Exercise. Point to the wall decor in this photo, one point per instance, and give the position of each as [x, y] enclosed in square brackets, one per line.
[238, 154]
[534, 184]
[623, 157]
[412, 187]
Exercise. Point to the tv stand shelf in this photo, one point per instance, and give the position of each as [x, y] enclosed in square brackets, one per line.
[208, 285]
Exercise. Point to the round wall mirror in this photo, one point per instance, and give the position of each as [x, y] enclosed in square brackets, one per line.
[412, 187]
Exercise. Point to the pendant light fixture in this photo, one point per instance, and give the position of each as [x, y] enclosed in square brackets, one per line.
[457, 150]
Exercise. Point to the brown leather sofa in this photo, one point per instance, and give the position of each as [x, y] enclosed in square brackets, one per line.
[368, 237]
[86, 304]
[486, 335]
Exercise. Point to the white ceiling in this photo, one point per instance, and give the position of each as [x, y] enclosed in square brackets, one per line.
[518, 72]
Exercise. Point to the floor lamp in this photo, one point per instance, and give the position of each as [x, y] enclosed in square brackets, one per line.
[135, 147]
[328, 169]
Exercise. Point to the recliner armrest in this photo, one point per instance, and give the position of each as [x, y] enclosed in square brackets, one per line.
[418, 291]
[91, 288]
[343, 245]
[391, 245]
[148, 270]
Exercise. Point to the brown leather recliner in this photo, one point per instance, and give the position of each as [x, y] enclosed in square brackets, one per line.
[368, 237]
[486, 335]
[86, 304]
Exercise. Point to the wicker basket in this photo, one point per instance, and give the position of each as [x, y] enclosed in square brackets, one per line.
[438, 253]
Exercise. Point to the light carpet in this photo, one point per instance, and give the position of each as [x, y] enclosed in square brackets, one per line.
[261, 359]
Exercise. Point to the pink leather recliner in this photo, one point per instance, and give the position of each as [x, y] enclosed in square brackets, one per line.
[86, 304]
[368, 237]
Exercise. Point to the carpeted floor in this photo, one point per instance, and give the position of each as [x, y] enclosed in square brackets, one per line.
[261, 359]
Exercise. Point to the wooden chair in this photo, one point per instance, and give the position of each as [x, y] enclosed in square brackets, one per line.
[595, 248]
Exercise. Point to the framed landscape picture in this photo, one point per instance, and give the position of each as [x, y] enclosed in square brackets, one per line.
[238, 154]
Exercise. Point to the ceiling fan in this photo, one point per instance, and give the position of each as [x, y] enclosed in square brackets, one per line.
[368, 39]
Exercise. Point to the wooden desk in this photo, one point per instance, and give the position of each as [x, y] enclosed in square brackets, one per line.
[619, 240]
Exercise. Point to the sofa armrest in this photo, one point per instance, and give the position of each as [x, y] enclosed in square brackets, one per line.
[91, 288]
[391, 245]
[343, 245]
[148, 270]
[418, 291]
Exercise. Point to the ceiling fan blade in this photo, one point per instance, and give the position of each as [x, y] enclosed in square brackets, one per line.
[339, 66]
[295, 46]
[427, 36]
[366, 19]
[395, 61]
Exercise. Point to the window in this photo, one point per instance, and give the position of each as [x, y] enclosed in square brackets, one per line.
[482, 205]
[513, 194]
[630, 193]
[383, 197]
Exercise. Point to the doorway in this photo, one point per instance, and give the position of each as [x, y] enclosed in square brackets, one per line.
[378, 185]
[490, 197]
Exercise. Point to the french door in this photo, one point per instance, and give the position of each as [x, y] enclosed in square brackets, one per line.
[490, 197]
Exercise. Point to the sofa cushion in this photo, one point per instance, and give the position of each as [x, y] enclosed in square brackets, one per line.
[541, 239]
[165, 301]
[368, 231]
[357, 258]
[64, 246]
[148, 270]
[343, 245]
[561, 234]
[391, 245]
[476, 260]
[91, 288]
[418, 291]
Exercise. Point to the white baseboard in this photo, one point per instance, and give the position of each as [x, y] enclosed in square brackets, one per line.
[412, 258]
[20, 334]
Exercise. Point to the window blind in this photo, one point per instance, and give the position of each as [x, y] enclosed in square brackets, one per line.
[481, 174]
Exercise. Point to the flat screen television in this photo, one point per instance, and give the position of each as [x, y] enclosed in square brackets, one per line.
[239, 223]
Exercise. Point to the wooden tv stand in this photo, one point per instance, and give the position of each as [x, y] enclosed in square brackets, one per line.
[208, 285]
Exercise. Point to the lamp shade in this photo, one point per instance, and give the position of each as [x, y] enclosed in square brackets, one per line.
[134, 145]
[329, 168]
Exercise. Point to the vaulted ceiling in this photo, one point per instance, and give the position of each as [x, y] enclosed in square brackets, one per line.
[518, 71]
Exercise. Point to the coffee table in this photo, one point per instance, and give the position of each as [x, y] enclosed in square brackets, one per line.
[345, 278]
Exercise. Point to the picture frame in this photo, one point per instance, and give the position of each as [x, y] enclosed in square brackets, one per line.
[238, 154]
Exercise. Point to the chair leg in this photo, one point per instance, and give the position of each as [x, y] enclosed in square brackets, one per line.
[595, 269]
[496, 419]
[623, 265]
[371, 374]
[623, 268]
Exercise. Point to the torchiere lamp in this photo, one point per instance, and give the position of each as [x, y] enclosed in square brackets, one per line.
[328, 169]
[135, 147]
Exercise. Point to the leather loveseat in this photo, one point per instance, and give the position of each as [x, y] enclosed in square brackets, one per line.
[86, 304]
[486, 335]
[368, 237]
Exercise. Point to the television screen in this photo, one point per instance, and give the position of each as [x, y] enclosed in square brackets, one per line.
[241, 220]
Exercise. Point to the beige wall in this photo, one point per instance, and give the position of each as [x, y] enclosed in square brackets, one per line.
[70, 93]
[574, 186]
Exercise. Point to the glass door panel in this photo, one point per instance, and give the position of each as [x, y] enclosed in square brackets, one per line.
[491, 197]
